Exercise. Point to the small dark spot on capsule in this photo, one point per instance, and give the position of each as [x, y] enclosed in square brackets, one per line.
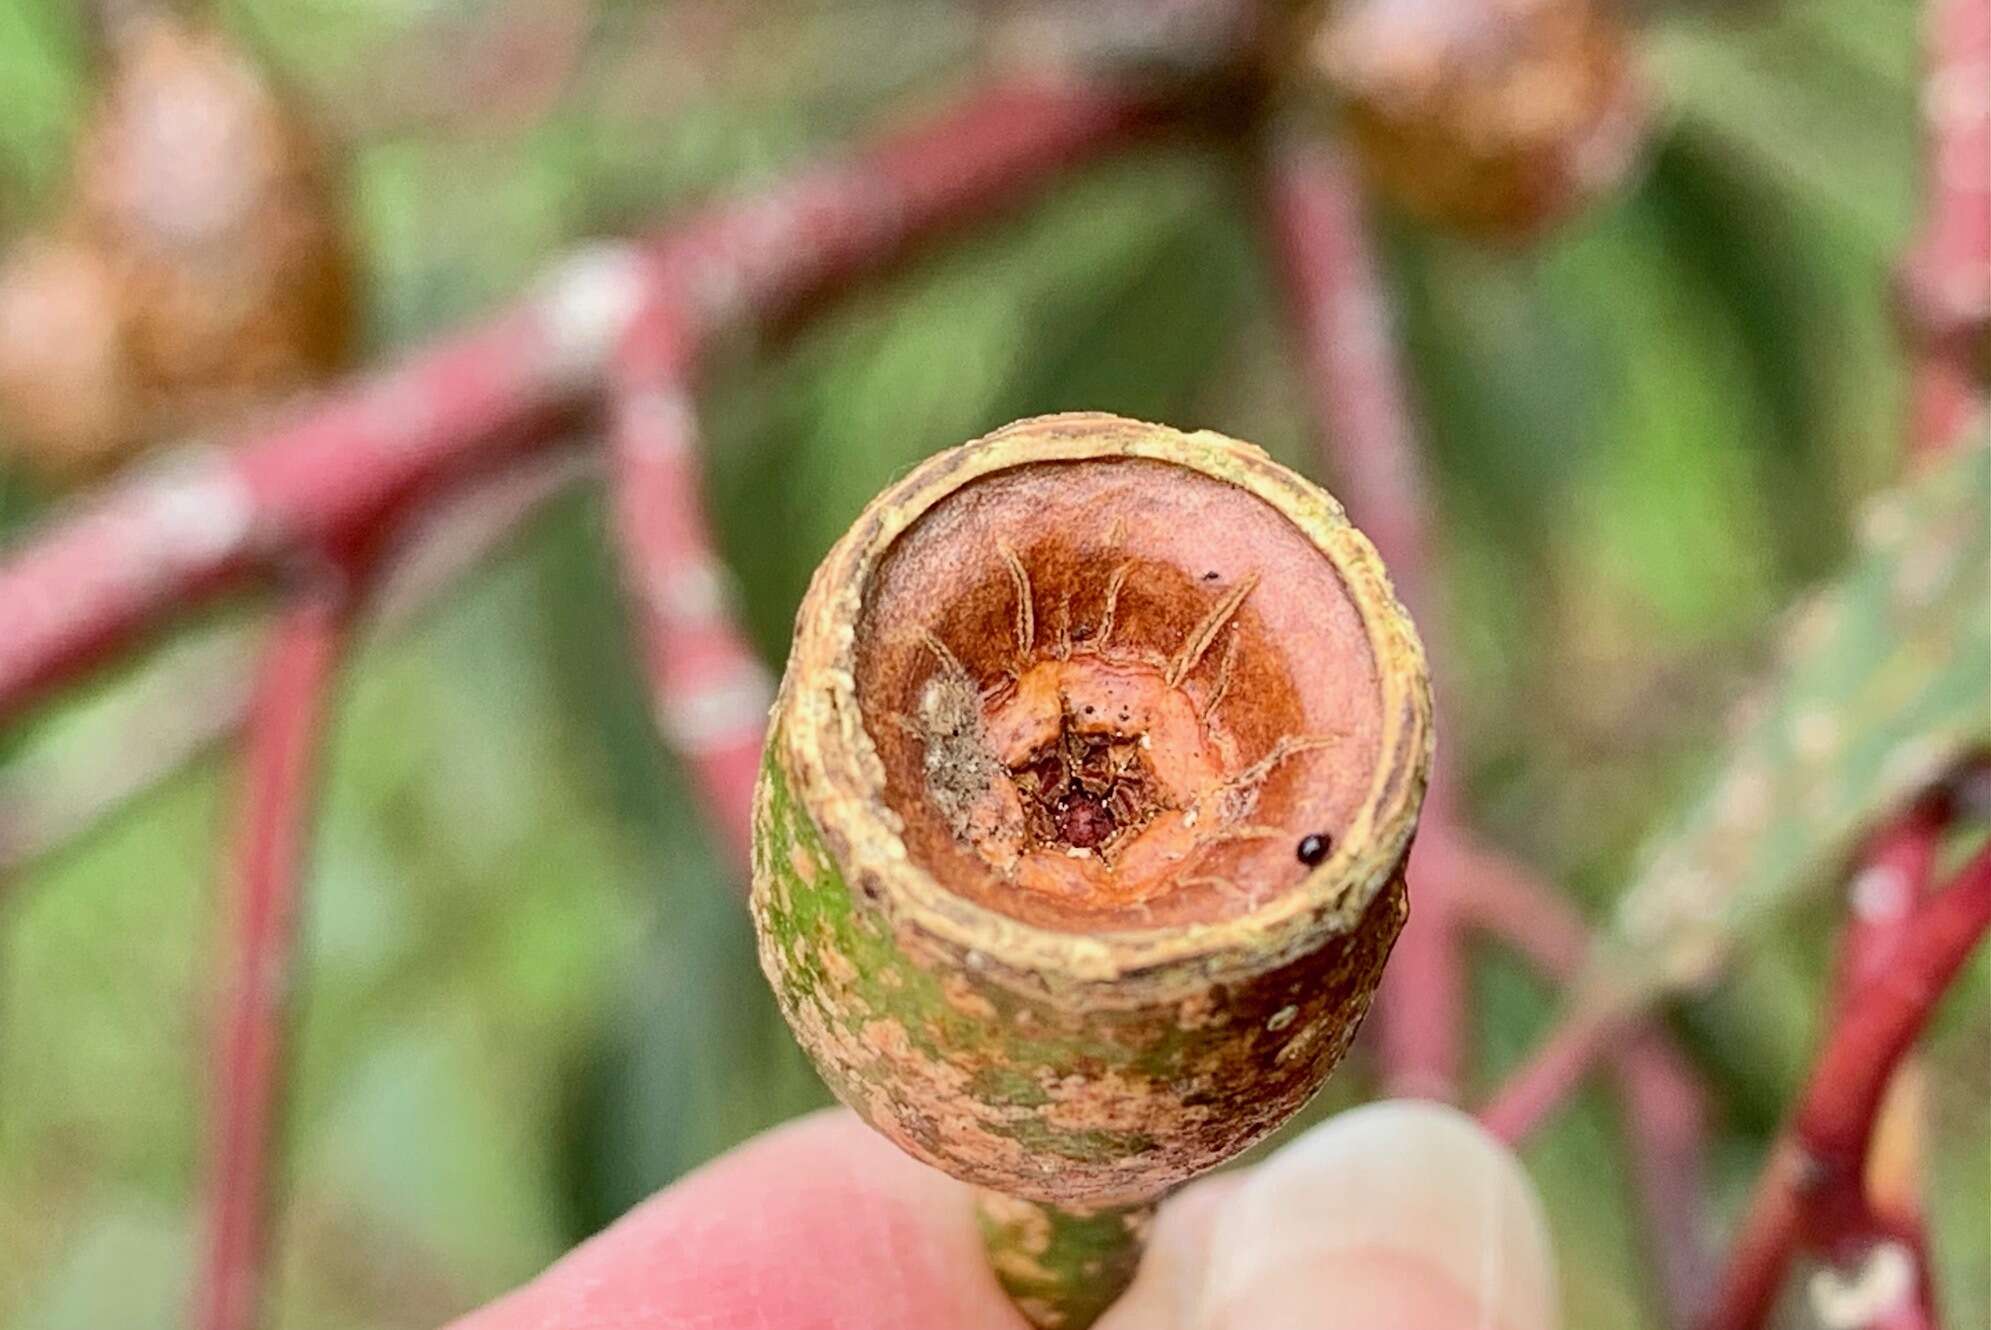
[1315, 848]
[1210, 576]
[1088, 711]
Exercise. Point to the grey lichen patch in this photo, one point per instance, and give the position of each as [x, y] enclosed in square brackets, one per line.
[964, 780]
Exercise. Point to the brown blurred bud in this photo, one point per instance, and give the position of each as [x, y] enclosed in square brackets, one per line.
[65, 379]
[1494, 117]
[201, 269]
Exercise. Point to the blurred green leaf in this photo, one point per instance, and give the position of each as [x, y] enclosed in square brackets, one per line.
[1885, 684]
[1957, 1090]
[1811, 97]
[126, 1267]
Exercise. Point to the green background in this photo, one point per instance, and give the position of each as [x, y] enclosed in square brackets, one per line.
[530, 993]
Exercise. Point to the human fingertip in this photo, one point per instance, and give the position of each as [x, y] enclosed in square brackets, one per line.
[1165, 1293]
[818, 1223]
[1403, 1215]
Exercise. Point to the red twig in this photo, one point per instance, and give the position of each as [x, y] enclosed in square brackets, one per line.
[192, 696]
[1354, 378]
[1554, 1070]
[1666, 1129]
[1361, 404]
[1881, 902]
[1947, 276]
[95, 580]
[1813, 1193]
[1883, 1211]
[1898, 870]
[156, 544]
[1659, 1092]
[261, 908]
[1421, 1008]
[709, 691]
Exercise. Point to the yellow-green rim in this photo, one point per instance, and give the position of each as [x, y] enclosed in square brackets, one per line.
[838, 775]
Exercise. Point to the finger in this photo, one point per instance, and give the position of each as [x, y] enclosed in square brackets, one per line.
[1398, 1216]
[820, 1225]
[1170, 1283]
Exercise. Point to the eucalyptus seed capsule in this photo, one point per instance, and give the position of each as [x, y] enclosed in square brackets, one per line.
[1499, 118]
[1024, 874]
[201, 271]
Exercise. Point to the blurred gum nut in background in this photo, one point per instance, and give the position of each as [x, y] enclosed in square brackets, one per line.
[199, 272]
[1497, 118]
[66, 392]
[1080, 837]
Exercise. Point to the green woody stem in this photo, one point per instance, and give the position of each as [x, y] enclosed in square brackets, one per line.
[1063, 1268]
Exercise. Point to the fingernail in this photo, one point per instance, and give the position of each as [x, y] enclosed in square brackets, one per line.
[1169, 1287]
[1396, 1216]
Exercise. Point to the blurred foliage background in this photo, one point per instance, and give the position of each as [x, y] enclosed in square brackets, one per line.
[531, 997]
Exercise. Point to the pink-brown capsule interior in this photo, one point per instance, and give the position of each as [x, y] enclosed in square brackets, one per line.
[1114, 694]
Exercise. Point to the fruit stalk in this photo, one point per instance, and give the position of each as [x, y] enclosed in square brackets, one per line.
[263, 901]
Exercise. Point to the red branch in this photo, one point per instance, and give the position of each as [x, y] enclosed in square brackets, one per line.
[1882, 898]
[1836, 1115]
[325, 481]
[189, 697]
[1946, 279]
[709, 691]
[1360, 402]
[1666, 1129]
[1814, 1194]
[261, 908]
[1554, 1070]
[1881, 903]
[1658, 1090]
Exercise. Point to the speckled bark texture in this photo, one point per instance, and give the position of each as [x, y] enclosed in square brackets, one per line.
[1062, 1268]
[1089, 1039]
